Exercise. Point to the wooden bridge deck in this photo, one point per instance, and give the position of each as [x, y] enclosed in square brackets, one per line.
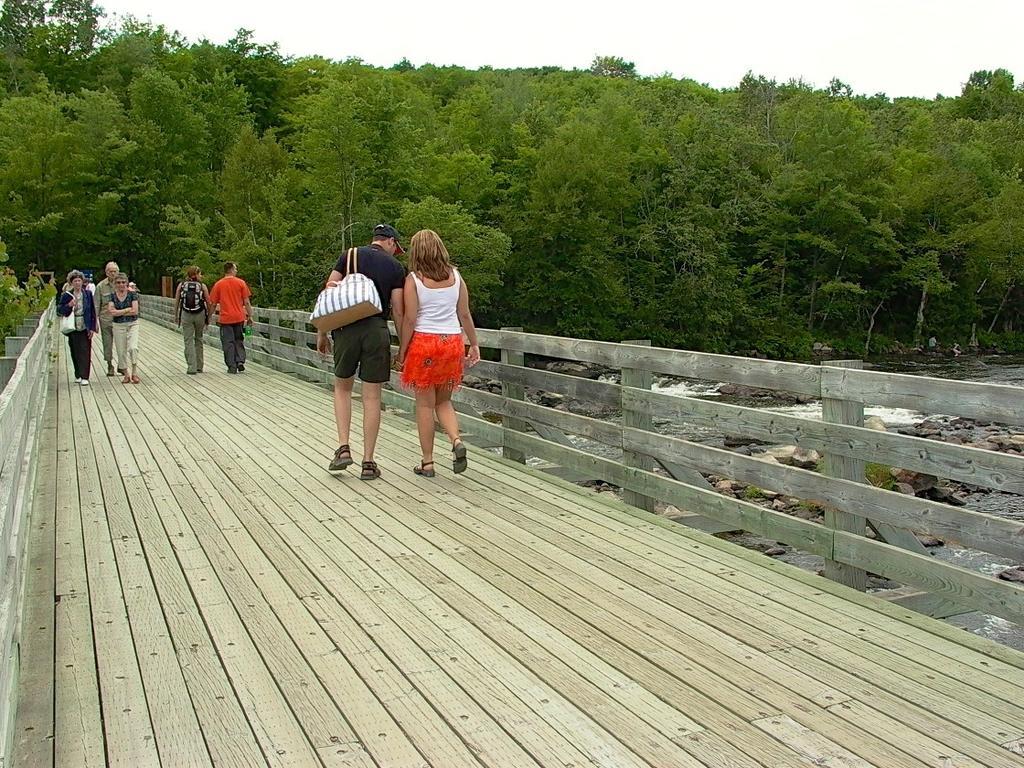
[201, 591]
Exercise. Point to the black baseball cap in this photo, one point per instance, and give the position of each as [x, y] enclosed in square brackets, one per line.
[386, 231]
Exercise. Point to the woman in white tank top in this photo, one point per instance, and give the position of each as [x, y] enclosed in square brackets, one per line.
[432, 354]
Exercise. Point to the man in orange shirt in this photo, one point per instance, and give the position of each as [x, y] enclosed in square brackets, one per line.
[231, 295]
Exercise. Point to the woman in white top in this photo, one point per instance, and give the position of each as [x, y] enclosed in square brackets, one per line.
[432, 353]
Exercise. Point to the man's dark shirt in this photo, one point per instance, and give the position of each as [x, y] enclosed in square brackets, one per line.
[386, 272]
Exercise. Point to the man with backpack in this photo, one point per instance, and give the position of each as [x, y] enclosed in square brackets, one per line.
[191, 313]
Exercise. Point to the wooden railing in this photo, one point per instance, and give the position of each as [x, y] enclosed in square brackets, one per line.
[25, 368]
[657, 467]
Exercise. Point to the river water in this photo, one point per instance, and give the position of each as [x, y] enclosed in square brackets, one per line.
[990, 369]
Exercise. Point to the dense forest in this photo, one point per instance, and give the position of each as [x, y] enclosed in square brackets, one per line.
[597, 203]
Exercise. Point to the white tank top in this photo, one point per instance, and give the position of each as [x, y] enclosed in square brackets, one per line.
[439, 307]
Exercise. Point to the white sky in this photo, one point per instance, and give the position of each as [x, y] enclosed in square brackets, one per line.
[899, 47]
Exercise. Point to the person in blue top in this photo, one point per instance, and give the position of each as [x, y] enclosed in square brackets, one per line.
[76, 301]
[124, 310]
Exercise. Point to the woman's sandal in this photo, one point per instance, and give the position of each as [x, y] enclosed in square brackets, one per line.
[423, 471]
[459, 462]
[370, 471]
[127, 379]
[136, 380]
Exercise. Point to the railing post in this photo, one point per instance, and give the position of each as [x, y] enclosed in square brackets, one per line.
[13, 345]
[837, 411]
[7, 366]
[637, 419]
[512, 391]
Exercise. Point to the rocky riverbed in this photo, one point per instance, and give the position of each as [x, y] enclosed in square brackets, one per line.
[984, 436]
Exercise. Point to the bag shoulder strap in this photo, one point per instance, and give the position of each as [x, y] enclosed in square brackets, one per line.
[352, 261]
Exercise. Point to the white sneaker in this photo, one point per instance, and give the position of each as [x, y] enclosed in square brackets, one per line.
[84, 382]
[78, 381]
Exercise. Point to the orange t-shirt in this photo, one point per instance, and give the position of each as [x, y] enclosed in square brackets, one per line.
[230, 292]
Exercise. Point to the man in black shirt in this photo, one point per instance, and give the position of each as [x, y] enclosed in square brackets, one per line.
[365, 345]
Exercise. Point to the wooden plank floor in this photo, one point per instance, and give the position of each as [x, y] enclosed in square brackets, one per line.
[202, 592]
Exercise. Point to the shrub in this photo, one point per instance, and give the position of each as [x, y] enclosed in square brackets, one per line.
[880, 476]
[18, 301]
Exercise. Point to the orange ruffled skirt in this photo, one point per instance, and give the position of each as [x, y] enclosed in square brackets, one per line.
[433, 360]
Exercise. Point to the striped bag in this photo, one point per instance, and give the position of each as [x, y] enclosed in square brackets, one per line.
[352, 299]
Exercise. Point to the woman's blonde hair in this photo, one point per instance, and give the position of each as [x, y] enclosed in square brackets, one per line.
[428, 256]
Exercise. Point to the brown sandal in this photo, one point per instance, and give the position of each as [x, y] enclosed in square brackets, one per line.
[370, 471]
[459, 461]
[127, 379]
[422, 470]
[136, 380]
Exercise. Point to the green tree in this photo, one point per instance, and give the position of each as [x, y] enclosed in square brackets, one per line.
[18, 21]
[612, 66]
[257, 189]
[923, 273]
[356, 139]
[61, 48]
[997, 242]
[41, 160]
[260, 70]
[480, 252]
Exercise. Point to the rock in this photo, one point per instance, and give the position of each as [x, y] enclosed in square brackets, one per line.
[730, 390]
[593, 410]
[726, 486]
[929, 541]
[805, 513]
[960, 421]
[1017, 439]
[805, 458]
[600, 486]
[769, 495]
[735, 441]
[742, 390]
[1012, 574]
[875, 423]
[550, 399]
[783, 454]
[765, 457]
[573, 368]
[984, 445]
[488, 385]
[904, 488]
[946, 495]
[780, 505]
[775, 551]
[919, 481]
